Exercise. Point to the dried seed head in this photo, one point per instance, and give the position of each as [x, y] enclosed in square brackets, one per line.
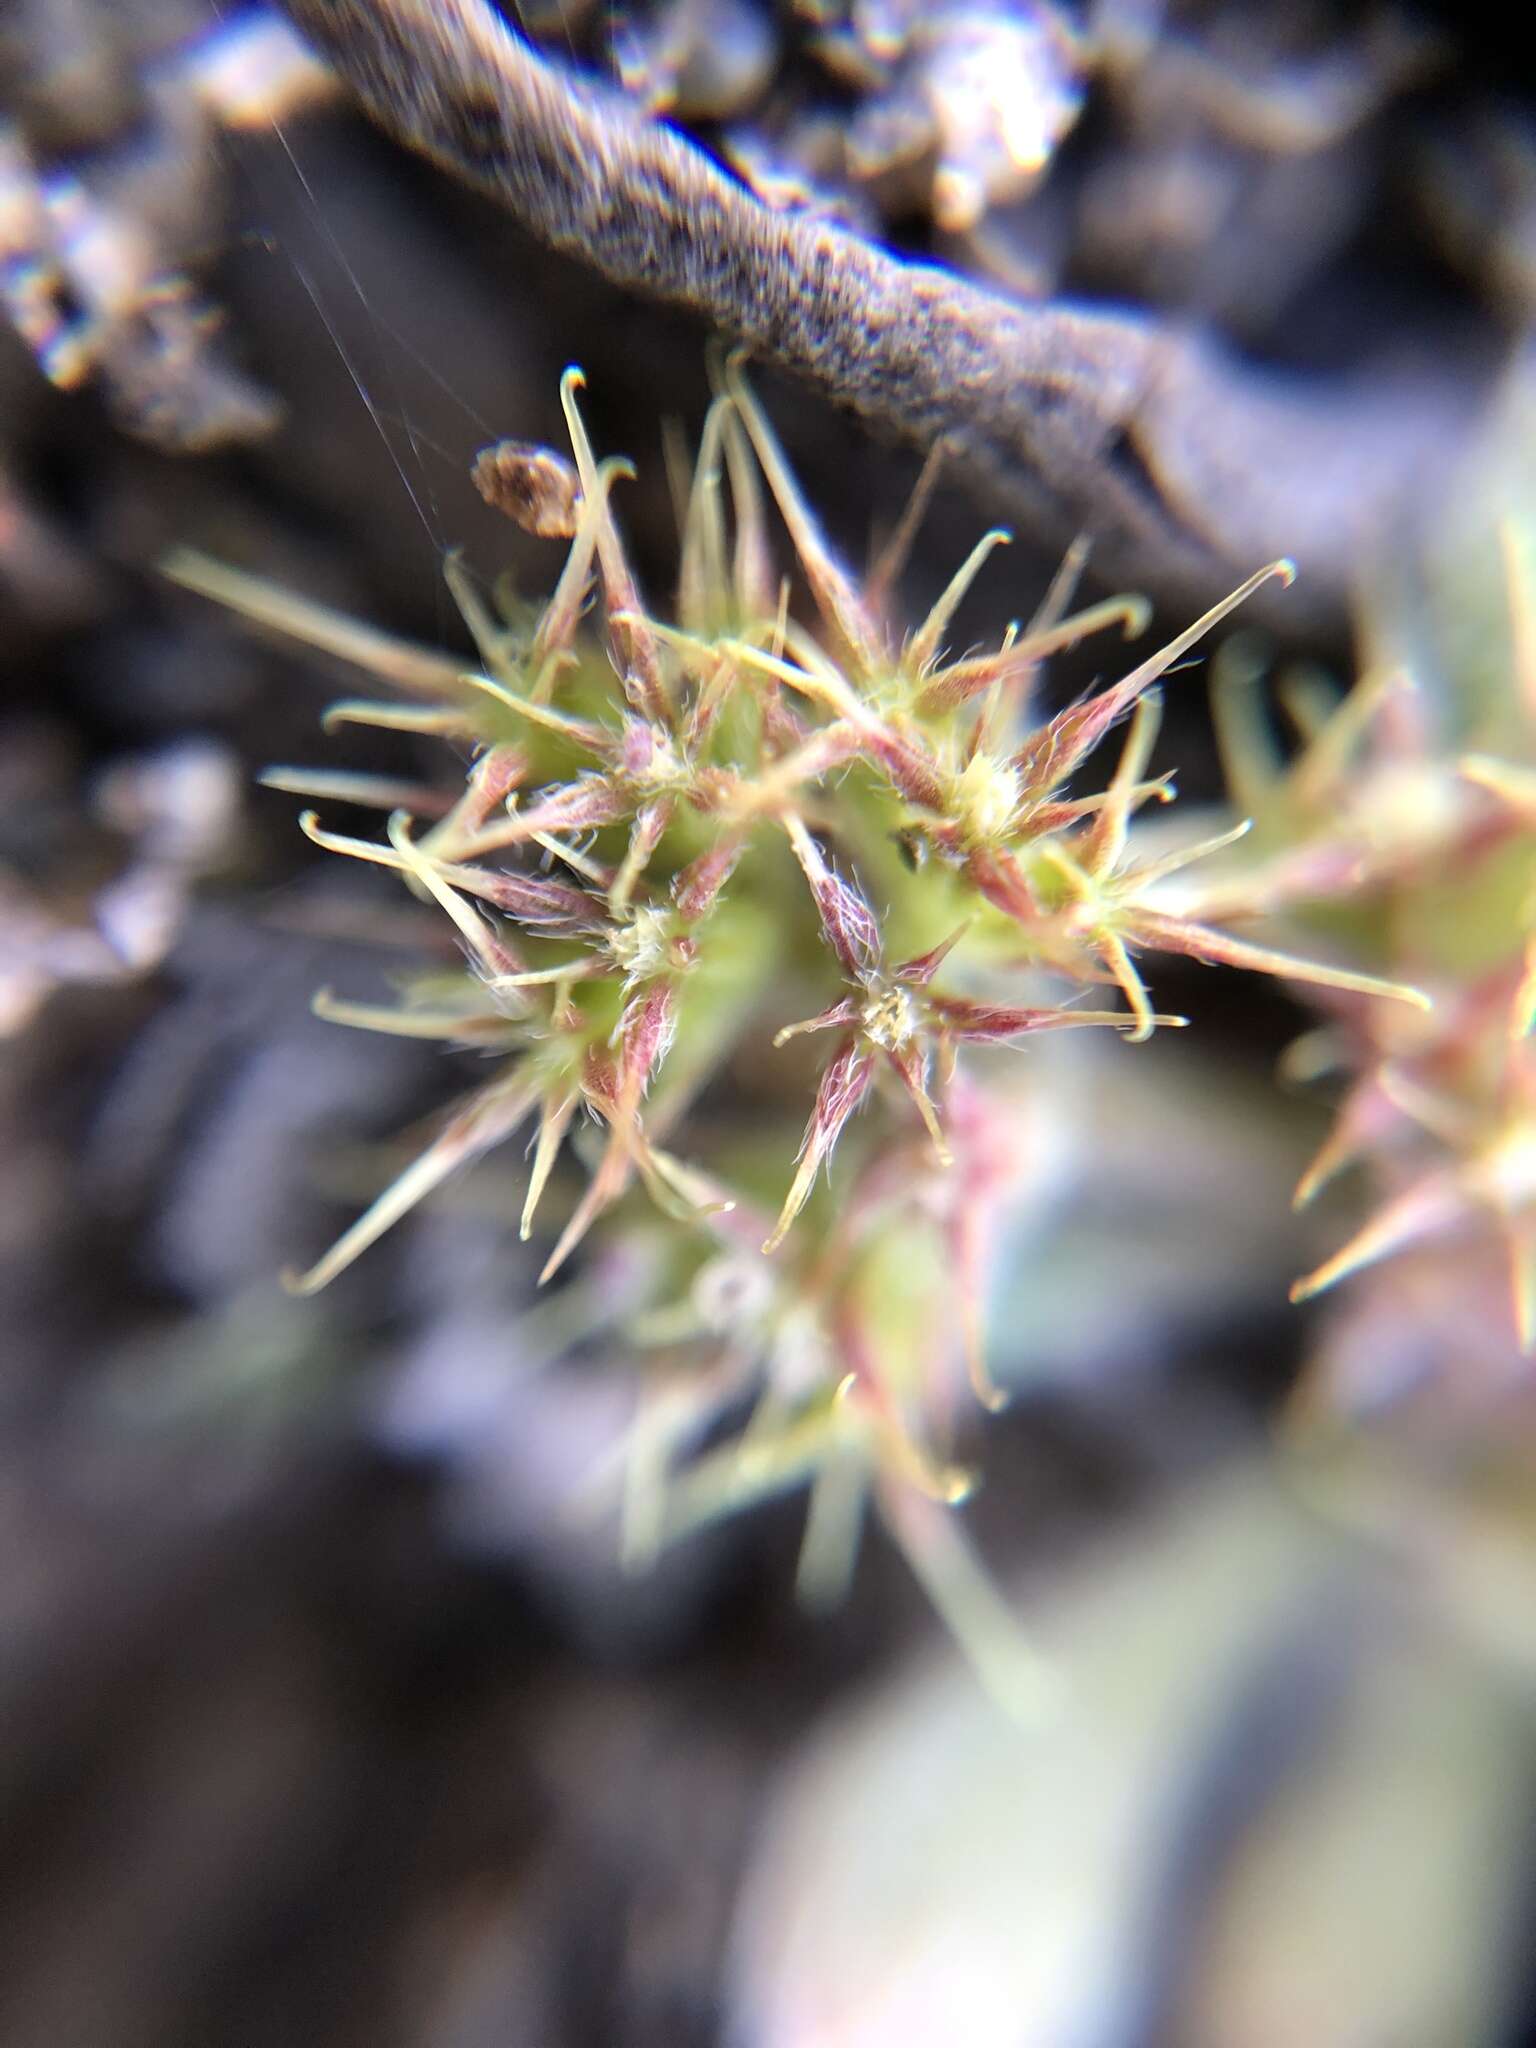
[534, 487]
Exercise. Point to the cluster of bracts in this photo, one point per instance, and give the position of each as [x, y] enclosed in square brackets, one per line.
[668, 829]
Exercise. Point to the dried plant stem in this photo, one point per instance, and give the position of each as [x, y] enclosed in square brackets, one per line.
[1180, 466]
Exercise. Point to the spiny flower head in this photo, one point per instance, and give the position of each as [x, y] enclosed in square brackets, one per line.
[1429, 856]
[671, 831]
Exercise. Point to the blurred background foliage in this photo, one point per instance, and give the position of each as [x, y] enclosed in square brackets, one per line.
[322, 1715]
